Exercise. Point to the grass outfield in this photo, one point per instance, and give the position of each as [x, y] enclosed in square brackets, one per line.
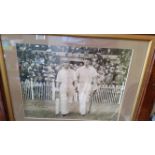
[47, 110]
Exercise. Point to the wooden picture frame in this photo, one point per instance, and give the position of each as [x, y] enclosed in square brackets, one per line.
[142, 86]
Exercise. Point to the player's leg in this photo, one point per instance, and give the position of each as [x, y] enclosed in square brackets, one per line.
[64, 103]
[82, 103]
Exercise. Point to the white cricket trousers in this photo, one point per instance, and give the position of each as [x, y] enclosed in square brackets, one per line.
[84, 97]
[66, 97]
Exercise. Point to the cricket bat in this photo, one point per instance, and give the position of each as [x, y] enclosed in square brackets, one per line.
[57, 102]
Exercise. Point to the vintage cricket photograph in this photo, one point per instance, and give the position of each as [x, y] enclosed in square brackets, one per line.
[72, 82]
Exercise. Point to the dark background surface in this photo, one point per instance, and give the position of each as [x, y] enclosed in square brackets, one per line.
[3, 114]
[145, 110]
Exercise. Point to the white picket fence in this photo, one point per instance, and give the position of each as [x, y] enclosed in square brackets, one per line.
[46, 92]
[107, 94]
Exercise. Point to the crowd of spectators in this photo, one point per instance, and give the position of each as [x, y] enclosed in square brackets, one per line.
[41, 64]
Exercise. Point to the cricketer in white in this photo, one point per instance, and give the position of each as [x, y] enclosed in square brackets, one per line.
[65, 86]
[86, 81]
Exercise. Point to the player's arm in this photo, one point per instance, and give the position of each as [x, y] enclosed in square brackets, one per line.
[58, 81]
[94, 78]
[77, 76]
[76, 80]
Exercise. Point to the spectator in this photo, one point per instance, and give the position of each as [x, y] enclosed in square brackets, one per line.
[47, 63]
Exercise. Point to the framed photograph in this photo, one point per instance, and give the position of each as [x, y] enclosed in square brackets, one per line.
[75, 77]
